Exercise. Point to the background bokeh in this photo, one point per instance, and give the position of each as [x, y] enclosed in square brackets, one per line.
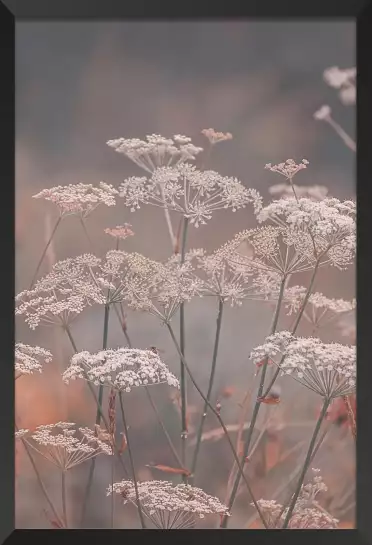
[81, 84]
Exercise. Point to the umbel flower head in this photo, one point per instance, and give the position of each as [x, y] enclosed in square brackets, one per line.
[322, 230]
[307, 514]
[120, 231]
[121, 369]
[60, 296]
[65, 445]
[29, 359]
[156, 151]
[329, 370]
[193, 193]
[345, 80]
[80, 199]
[169, 506]
[214, 136]
[288, 169]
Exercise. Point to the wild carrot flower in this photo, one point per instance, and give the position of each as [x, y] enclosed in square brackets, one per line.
[320, 309]
[61, 295]
[345, 80]
[193, 193]
[214, 137]
[316, 192]
[121, 369]
[29, 359]
[156, 151]
[323, 230]
[329, 370]
[120, 231]
[169, 506]
[59, 444]
[80, 199]
[288, 169]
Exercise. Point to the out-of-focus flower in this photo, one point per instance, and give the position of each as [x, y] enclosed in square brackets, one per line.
[323, 113]
[169, 506]
[59, 444]
[288, 169]
[29, 359]
[214, 137]
[345, 80]
[120, 231]
[80, 199]
[121, 369]
[329, 370]
[316, 192]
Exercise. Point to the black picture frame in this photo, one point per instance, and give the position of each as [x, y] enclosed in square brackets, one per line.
[13, 10]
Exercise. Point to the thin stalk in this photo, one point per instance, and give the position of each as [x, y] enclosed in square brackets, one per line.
[218, 416]
[44, 252]
[112, 495]
[140, 514]
[210, 386]
[257, 404]
[351, 416]
[168, 219]
[182, 373]
[341, 133]
[306, 463]
[40, 481]
[64, 506]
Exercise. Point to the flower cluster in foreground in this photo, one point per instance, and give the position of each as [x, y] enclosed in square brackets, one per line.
[169, 506]
[121, 369]
[29, 359]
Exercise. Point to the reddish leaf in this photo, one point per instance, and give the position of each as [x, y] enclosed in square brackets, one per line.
[269, 400]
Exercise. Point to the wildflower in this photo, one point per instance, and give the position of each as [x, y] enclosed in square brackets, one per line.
[169, 506]
[121, 369]
[29, 359]
[316, 192]
[288, 169]
[327, 369]
[193, 193]
[323, 231]
[214, 137]
[59, 444]
[80, 199]
[120, 231]
[157, 151]
[343, 80]
[320, 309]
[323, 113]
[60, 296]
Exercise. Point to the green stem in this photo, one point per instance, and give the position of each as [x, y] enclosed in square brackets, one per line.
[257, 404]
[40, 481]
[218, 416]
[64, 507]
[44, 253]
[306, 463]
[182, 372]
[210, 386]
[140, 514]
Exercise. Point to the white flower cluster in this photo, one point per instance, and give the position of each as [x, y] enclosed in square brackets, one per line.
[214, 136]
[319, 229]
[345, 80]
[120, 231]
[80, 198]
[327, 369]
[193, 193]
[121, 369]
[29, 359]
[288, 169]
[320, 309]
[61, 295]
[170, 506]
[156, 151]
[58, 444]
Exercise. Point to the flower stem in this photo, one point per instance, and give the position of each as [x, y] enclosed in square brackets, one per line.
[64, 506]
[44, 252]
[218, 416]
[182, 373]
[351, 415]
[210, 386]
[140, 514]
[257, 404]
[306, 463]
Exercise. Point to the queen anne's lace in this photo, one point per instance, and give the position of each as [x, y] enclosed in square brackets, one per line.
[169, 506]
[288, 169]
[327, 369]
[122, 369]
[214, 136]
[29, 359]
[59, 444]
[120, 231]
[79, 199]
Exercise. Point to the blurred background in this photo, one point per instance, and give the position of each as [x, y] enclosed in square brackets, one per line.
[81, 84]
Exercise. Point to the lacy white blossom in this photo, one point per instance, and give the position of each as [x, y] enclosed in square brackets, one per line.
[321, 230]
[169, 506]
[307, 514]
[327, 369]
[29, 359]
[193, 193]
[19, 434]
[156, 151]
[121, 369]
[214, 137]
[320, 309]
[65, 445]
[345, 80]
[316, 192]
[288, 169]
[79, 199]
[120, 231]
[61, 295]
